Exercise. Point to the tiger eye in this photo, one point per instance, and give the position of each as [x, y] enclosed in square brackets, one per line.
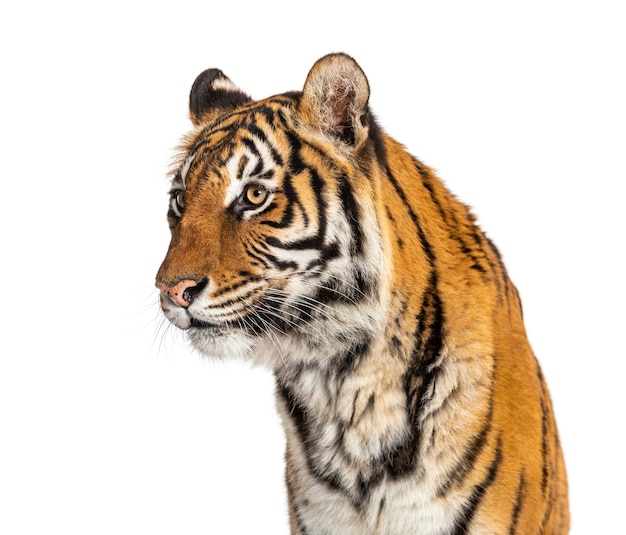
[256, 195]
[180, 199]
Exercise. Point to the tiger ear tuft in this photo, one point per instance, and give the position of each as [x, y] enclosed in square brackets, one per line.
[213, 93]
[335, 99]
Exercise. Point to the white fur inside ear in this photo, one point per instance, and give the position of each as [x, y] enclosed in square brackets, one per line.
[335, 96]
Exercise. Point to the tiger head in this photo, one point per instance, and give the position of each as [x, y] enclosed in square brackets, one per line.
[276, 247]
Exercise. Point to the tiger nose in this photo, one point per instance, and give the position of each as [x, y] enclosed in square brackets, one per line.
[182, 293]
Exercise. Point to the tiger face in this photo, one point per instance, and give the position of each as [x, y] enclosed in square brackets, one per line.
[266, 253]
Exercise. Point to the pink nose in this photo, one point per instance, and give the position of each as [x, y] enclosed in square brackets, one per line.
[179, 293]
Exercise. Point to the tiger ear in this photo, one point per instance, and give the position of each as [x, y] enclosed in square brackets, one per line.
[212, 94]
[334, 99]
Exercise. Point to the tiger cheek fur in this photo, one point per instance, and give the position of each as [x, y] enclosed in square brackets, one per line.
[306, 239]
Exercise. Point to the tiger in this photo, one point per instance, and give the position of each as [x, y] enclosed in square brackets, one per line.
[307, 240]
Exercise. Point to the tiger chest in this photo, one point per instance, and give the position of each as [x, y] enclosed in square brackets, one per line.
[347, 472]
[392, 507]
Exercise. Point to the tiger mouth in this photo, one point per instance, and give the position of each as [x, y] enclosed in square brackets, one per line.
[224, 327]
[214, 327]
[257, 324]
[203, 324]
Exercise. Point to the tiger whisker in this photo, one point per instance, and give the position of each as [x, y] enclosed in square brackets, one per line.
[269, 329]
[312, 303]
[309, 321]
[325, 285]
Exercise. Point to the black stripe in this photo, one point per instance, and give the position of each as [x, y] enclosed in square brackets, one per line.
[313, 242]
[463, 524]
[377, 137]
[352, 359]
[293, 200]
[502, 270]
[267, 259]
[301, 420]
[281, 264]
[420, 377]
[545, 415]
[423, 174]
[328, 253]
[251, 145]
[351, 210]
[519, 503]
[548, 512]
[318, 186]
[422, 371]
[335, 291]
[258, 256]
[258, 133]
[398, 238]
[230, 123]
[232, 288]
[243, 161]
[297, 166]
[475, 447]
[207, 145]
[312, 440]
[369, 407]
[296, 513]
[459, 230]
[420, 233]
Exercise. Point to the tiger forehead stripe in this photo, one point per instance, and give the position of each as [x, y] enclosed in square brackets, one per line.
[266, 152]
[242, 166]
[253, 159]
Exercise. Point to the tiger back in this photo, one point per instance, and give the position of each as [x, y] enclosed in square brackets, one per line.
[306, 239]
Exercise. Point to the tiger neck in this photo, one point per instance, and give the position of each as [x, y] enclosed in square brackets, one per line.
[349, 414]
[360, 416]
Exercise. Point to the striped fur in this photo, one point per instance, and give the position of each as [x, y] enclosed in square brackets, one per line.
[306, 239]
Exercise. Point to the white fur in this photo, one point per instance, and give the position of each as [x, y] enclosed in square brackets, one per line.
[186, 166]
[224, 84]
[408, 504]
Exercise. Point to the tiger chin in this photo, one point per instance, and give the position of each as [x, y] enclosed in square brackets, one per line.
[306, 239]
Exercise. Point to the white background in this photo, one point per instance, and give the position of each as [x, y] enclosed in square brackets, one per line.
[108, 423]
